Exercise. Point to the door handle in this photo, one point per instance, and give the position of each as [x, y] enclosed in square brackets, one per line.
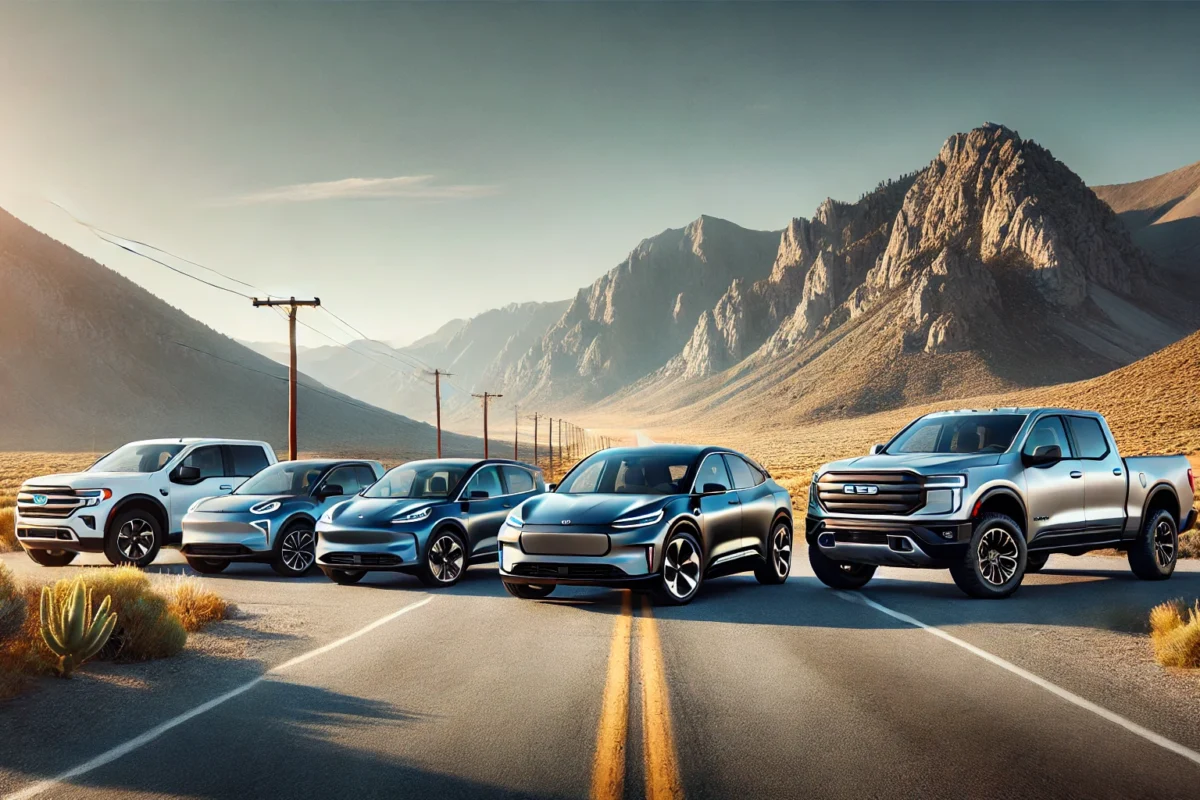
[226, 488]
[1117, 472]
[508, 505]
[734, 501]
[1076, 474]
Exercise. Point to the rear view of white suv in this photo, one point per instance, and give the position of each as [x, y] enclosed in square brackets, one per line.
[132, 501]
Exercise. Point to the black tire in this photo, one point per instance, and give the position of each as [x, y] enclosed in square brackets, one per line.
[445, 559]
[1153, 556]
[295, 551]
[1035, 562]
[344, 577]
[993, 565]
[838, 574]
[682, 569]
[207, 566]
[52, 558]
[134, 538]
[776, 567]
[526, 591]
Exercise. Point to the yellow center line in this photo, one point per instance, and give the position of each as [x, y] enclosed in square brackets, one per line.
[608, 767]
[661, 761]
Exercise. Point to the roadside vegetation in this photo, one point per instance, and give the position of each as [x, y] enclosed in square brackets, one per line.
[1175, 634]
[151, 622]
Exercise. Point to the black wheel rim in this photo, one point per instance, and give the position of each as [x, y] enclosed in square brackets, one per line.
[998, 556]
[298, 550]
[781, 550]
[1164, 543]
[446, 559]
[135, 539]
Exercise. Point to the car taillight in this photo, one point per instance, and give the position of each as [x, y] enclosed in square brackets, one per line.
[1192, 481]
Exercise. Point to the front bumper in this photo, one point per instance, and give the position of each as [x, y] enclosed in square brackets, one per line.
[571, 557]
[366, 548]
[73, 533]
[928, 543]
[231, 536]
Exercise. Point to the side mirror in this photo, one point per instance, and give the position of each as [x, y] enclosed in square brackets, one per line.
[876, 449]
[551, 487]
[714, 488]
[186, 475]
[331, 490]
[479, 494]
[1043, 456]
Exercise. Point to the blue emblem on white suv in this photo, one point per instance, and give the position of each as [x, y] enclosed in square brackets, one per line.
[40, 499]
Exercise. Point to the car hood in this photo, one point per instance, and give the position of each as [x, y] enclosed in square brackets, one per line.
[240, 503]
[374, 512]
[90, 480]
[586, 509]
[924, 463]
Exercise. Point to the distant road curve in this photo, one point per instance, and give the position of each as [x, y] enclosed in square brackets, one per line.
[643, 440]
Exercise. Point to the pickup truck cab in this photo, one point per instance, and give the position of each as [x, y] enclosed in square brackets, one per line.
[132, 501]
[990, 495]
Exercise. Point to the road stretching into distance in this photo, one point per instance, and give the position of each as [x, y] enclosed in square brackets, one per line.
[385, 689]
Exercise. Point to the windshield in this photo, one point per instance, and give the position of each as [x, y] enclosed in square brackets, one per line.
[965, 434]
[286, 478]
[614, 473]
[137, 458]
[428, 481]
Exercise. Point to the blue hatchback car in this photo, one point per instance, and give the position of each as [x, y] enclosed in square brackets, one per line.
[430, 518]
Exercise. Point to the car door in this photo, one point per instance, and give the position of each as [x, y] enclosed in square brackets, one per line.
[1053, 492]
[1104, 481]
[486, 514]
[757, 500]
[720, 508]
[210, 460]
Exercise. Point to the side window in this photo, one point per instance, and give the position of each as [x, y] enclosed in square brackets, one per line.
[739, 470]
[246, 460]
[1048, 431]
[713, 471]
[1089, 436]
[519, 480]
[366, 476]
[345, 477]
[208, 460]
[486, 480]
[760, 476]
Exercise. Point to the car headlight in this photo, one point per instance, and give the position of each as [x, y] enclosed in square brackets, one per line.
[414, 516]
[945, 481]
[513, 520]
[94, 496]
[265, 508]
[640, 521]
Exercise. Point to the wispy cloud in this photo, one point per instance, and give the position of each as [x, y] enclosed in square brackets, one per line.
[419, 187]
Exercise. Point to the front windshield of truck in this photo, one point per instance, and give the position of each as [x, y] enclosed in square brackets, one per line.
[965, 434]
[137, 458]
[630, 473]
[424, 481]
[288, 478]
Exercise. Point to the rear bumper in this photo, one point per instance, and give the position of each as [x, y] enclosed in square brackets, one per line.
[887, 543]
[1189, 522]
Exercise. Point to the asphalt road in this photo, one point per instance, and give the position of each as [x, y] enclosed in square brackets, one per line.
[793, 691]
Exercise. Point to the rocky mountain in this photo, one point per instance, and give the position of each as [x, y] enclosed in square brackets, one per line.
[1163, 214]
[91, 360]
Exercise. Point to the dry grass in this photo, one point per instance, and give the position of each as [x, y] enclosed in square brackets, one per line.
[1175, 634]
[193, 605]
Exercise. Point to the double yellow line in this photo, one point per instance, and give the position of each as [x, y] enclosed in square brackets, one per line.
[661, 763]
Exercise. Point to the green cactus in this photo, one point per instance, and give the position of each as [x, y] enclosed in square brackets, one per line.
[69, 628]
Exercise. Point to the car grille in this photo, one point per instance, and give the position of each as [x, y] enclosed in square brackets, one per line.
[362, 559]
[533, 569]
[61, 502]
[214, 549]
[63, 534]
[895, 492]
[860, 537]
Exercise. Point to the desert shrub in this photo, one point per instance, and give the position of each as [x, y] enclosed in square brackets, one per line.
[1189, 544]
[8, 530]
[1175, 634]
[12, 605]
[193, 605]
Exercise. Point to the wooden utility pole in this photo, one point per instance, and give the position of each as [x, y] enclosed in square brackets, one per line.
[560, 442]
[535, 438]
[487, 397]
[516, 432]
[551, 448]
[292, 304]
[437, 399]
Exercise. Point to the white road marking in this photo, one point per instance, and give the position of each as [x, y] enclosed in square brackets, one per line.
[157, 731]
[1054, 689]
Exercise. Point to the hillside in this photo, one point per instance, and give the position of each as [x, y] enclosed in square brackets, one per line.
[1163, 214]
[91, 360]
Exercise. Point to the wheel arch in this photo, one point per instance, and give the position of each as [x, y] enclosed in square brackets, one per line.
[1002, 500]
[1162, 497]
[144, 502]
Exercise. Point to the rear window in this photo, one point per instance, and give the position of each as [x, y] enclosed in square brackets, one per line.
[1089, 436]
[247, 460]
[739, 470]
[960, 433]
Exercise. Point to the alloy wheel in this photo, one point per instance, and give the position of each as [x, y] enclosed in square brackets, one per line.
[299, 549]
[135, 539]
[681, 567]
[781, 550]
[446, 559]
[998, 556]
[1164, 543]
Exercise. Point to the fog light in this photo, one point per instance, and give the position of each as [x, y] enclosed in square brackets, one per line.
[948, 533]
[826, 540]
[89, 521]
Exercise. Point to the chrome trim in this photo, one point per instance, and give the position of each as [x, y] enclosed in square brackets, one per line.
[749, 551]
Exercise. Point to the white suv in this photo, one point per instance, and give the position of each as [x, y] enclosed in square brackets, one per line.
[132, 501]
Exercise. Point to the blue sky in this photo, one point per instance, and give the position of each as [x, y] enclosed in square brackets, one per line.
[414, 163]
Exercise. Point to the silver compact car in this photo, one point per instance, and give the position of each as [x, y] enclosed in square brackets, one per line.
[661, 518]
[272, 517]
[429, 518]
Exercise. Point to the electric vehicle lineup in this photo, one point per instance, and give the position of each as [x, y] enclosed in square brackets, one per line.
[430, 518]
[272, 517]
[661, 518]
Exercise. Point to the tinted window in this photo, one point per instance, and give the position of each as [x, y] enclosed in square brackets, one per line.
[712, 471]
[137, 458]
[486, 480]
[518, 480]
[1048, 431]
[293, 478]
[960, 433]
[345, 477]
[617, 472]
[208, 460]
[739, 470]
[1089, 436]
[759, 475]
[247, 460]
[366, 476]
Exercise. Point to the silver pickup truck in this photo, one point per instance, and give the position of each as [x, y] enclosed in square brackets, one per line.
[990, 495]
